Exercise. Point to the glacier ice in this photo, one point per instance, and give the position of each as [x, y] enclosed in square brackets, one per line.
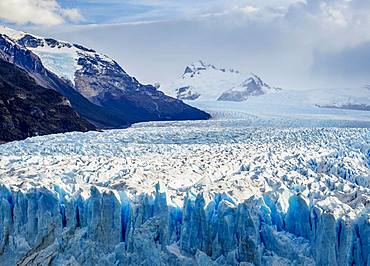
[39, 226]
[181, 194]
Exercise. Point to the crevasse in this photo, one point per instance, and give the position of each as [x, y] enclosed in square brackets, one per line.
[47, 227]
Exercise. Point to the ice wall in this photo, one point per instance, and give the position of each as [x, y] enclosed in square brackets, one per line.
[50, 228]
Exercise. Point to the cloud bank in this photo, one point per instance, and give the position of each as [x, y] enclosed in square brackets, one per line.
[39, 12]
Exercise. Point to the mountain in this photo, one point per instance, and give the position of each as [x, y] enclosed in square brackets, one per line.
[202, 81]
[98, 88]
[252, 86]
[30, 62]
[28, 109]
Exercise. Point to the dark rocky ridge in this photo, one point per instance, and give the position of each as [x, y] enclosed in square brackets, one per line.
[28, 109]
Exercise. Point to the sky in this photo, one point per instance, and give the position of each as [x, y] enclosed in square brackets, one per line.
[298, 44]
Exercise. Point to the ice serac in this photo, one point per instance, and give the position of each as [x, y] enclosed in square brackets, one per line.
[46, 227]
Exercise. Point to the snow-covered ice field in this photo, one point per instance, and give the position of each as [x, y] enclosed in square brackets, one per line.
[236, 191]
[209, 157]
[287, 109]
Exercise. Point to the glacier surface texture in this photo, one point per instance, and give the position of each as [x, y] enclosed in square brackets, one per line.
[187, 193]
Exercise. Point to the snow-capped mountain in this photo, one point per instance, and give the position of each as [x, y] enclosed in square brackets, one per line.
[210, 88]
[94, 77]
[206, 82]
[30, 62]
[252, 86]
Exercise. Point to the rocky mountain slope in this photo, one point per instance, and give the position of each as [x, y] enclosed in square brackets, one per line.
[206, 82]
[116, 96]
[30, 62]
[28, 109]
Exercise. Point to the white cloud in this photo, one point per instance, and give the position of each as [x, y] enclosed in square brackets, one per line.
[39, 12]
[249, 9]
[72, 14]
[289, 43]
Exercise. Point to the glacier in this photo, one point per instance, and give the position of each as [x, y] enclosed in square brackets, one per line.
[187, 193]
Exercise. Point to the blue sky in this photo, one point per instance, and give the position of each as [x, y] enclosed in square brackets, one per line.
[107, 11]
[290, 43]
[115, 11]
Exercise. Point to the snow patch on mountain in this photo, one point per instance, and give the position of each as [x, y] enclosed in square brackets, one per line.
[63, 59]
[62, 62]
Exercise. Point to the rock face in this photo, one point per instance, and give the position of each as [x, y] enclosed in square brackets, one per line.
[27, 109]
[187, 93]
[106, 84]
[41, 227]
[201, 81]
[98, 88]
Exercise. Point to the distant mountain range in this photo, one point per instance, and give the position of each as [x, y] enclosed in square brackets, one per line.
[205, 82]
[202, 81]
[98, 89]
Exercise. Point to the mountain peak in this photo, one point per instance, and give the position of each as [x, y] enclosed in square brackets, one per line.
[12, 34]
[196, 67]
[200, 66]
[256, 80]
